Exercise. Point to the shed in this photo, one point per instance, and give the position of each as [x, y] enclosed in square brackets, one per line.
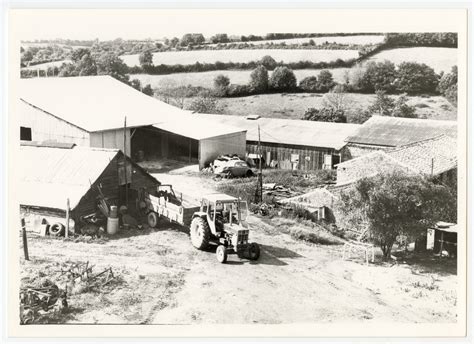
[91, 111]
[289, 144]
[51, 174]
[386, 132]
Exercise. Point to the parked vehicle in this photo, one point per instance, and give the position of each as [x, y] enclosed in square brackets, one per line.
[232, 167]
[219, 220]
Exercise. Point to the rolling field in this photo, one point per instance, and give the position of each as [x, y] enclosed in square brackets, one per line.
[440, 59]
[243, 55]
[357, 39]
[293, 106]
[43, 66]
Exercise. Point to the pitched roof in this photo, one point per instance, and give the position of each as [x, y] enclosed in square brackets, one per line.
[397, 131]
[51, 175]
[290, 132]
[95, 103]
[432, 156]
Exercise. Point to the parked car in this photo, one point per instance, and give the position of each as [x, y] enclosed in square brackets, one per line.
[232, 167]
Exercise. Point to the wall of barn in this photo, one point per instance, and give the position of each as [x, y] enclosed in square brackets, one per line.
[46, 127]
[111, 139]
[310, 158]
[112, 185]
[211, 148]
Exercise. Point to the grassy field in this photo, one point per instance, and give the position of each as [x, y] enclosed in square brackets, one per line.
[357, 39]
[46, 65]
[440, 59]
[242, 55]
[294, 105]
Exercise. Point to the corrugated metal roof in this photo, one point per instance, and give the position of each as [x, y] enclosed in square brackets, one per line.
[196, 127]
[396, 131]
[51, 175]
[290, 132]
[95, 103]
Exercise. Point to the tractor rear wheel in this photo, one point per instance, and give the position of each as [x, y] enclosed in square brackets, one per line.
[200, 233]
[254, 251]
[221, 254]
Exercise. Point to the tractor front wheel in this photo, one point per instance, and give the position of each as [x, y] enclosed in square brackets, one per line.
[200, 233]
[254, 251]
[152, 219]
[221, 254]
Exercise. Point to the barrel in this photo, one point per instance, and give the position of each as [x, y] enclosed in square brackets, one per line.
[113, 211]
[112, 225]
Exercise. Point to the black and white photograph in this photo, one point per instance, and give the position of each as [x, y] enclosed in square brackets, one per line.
[206, 168]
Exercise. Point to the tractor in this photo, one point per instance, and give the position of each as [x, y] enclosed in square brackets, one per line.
[221, 221]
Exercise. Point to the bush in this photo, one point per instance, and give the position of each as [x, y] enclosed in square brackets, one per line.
[259, 80]
[325, 115]
[205, 104]
[235, 90]
[268, 62]
[448, 85]
[378, 76]
[283, 79]
[221, 85]
[415, 78]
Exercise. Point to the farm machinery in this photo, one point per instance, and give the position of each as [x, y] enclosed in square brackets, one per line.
[219, 220]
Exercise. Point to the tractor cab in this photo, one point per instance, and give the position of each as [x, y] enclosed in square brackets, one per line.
[222, 220]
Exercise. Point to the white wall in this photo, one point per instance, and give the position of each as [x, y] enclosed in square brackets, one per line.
[212, 147]
[45, 127]
[111, 139]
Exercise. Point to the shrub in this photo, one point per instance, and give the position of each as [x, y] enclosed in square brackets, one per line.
[309, 84]
[283, 79]
[268, 62]
[205, 104]
[448, 85]
[235, 90]
[325, 115]
[259, 80]
[415, 78]
[378, 76]
[221, 85]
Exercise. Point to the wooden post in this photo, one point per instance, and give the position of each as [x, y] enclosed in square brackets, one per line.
[125, 158]
[25, 242]
[66, 235]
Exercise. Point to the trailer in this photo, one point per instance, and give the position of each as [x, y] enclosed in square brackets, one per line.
[219, 220]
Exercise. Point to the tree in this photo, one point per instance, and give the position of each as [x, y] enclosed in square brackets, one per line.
[382, 105]
[402, 109]
[393, 204]
[325, 81]
[325, 115]
[268, 62]
[221, 84]
[358, 116]
[220, 38]
[190, 39]
[146, 59]
[148, 90]
[378, 76]
[77, 54]
[136, 84]
[259, 80]
[337, 98]
[205, 104]
[309, 84]
[385, 105]
[416, 78]
[86, 66]
[283, 79]
[111, 64]
[448, 85]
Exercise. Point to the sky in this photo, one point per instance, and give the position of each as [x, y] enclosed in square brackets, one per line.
[106, 24]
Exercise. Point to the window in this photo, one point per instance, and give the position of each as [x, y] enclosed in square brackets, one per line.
[25, 134]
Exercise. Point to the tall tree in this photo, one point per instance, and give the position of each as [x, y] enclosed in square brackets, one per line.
[259, 80]
[283, 79]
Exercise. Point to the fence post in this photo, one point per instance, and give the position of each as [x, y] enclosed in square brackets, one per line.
[66, 235]
[25, 243]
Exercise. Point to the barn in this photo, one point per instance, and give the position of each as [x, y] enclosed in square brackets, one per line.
[100, 111]
[53, 173]
[292, 144]
[386, 132]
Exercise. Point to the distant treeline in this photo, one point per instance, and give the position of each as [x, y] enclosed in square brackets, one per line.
[425, 39]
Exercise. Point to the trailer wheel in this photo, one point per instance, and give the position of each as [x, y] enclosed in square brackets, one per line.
[254, 251]
[221, 254]
[56, 229]
[152, 219]
[200, 233]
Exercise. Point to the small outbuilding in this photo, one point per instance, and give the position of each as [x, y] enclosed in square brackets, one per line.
[51, 174]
